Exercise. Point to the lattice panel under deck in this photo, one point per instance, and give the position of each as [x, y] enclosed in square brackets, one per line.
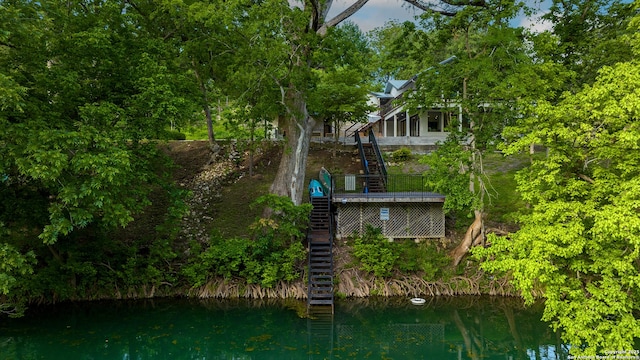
[348, 221]
[371, 216]
[436, 214]
[415, 220]
[396, 227]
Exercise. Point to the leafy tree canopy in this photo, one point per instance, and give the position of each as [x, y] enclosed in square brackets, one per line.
[87, 85]
[579, 247]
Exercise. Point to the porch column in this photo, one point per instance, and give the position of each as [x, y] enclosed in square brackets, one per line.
[395, 125]
[384, 127]
[406, 125]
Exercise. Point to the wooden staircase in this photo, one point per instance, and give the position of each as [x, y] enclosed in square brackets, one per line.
[320, 290]
[375, 180]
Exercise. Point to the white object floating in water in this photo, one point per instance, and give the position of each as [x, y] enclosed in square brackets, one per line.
[418, 301]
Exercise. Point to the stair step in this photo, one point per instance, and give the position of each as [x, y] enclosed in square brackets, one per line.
[317, 290]
[317, 265]
[321, 302]
[324, 280]
[322, 296]
[321, 283]
[320, 244]
[320, 255]
[318, 233]
[320, 258]
[321, 266]
[326, 272]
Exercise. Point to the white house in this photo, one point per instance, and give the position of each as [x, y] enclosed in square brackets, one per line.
[395, 125]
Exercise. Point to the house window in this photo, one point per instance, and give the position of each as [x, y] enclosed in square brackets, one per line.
[389, 125]
[402, 124]
[434, 121]
[466, 122]
[414, 125]
[328, 130]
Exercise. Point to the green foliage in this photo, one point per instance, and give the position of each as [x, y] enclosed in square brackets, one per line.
[402, 154]
[86, 92]
[425, 258]
[287, 222]
[175, 135]
[579, 246]
[342, 75]
[375, 252]
[14, 267]
[377, 255]
[448, 174]
[588, 36]
[504, 200]
[275, 253]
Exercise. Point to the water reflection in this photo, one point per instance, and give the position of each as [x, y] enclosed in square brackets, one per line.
[444, 328]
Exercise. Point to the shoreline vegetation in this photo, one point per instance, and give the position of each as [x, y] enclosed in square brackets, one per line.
[218, 182]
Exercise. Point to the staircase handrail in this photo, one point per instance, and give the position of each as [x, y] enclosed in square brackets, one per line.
[361, 152]
[376, 149]
[346, 131]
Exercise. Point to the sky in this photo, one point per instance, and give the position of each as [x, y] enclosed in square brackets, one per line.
[378, 12]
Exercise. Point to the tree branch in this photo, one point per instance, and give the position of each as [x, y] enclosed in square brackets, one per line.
[453, 3]
[586, 178]
[478, 3]
[427, 7]
[417, 3]
[341, 17]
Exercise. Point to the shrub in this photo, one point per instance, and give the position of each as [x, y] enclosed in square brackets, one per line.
[402, 154]
[274, 254]
[175, 135]
[375, 252]
[380, 257]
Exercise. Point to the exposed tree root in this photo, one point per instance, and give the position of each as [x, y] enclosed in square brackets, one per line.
[474, 236]
[351, 283]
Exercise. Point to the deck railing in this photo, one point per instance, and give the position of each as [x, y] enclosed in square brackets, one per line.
[401, 183]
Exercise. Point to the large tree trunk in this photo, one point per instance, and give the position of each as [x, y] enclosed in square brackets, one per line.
[298, 125]
[205, 105]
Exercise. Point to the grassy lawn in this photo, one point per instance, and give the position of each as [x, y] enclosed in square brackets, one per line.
[234, 212]
[504, 201]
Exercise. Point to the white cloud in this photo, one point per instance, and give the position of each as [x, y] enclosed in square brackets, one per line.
[535, 22]
[378, 12]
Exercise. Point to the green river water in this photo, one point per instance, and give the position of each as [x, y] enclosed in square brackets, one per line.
[443, 328]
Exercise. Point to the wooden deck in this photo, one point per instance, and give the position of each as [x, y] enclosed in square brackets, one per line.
[388, 197]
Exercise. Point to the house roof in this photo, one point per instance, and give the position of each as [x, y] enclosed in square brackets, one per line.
[382, 95]
[398, 84]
